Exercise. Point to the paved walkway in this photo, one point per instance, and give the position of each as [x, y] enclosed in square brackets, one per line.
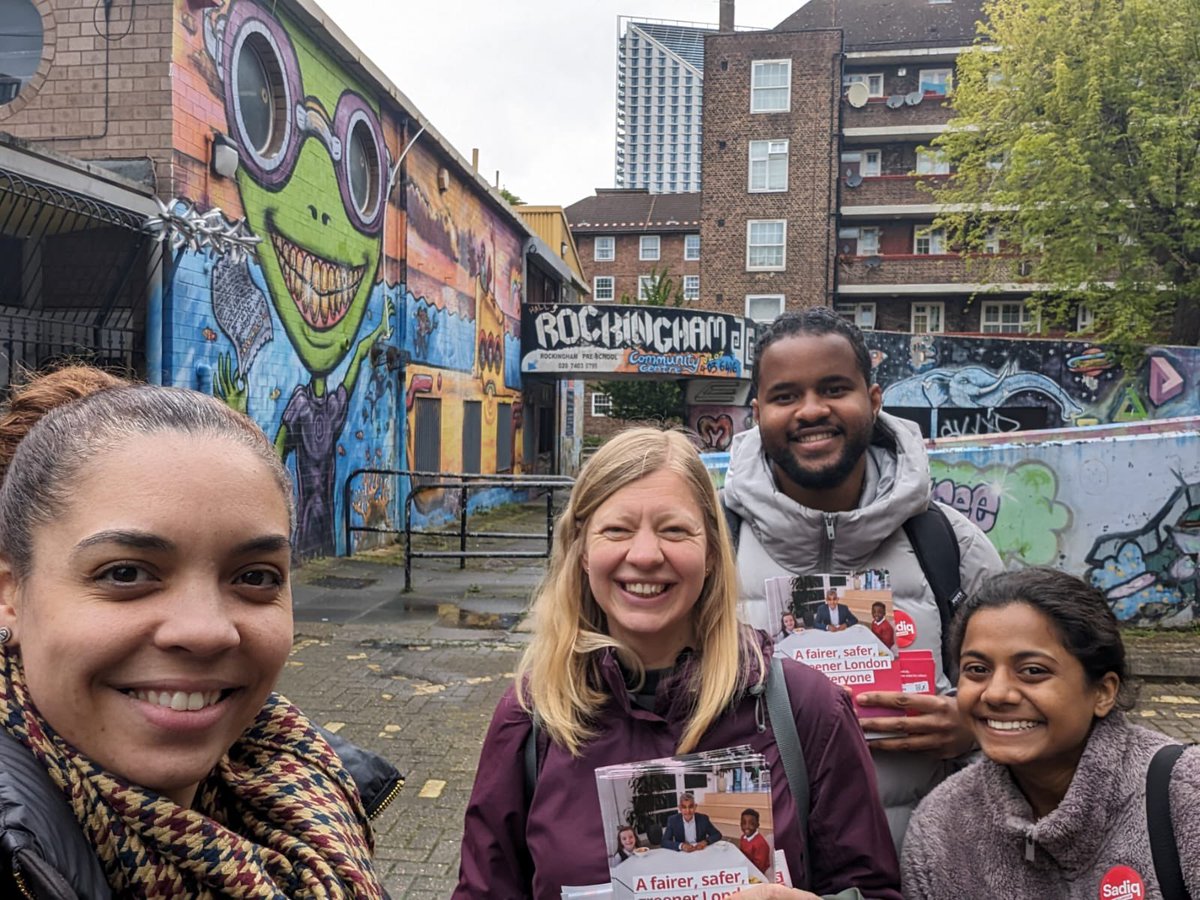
[399, 673]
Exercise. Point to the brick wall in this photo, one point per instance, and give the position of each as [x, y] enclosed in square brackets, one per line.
[83, 55]
[809, 203]
[625, 267]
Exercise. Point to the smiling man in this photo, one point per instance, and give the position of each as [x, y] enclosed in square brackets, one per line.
[824, 484]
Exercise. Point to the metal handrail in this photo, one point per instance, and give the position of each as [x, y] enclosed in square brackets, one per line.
[464, 483]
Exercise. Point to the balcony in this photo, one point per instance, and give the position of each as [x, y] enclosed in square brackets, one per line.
[889, 195]
[925, 274]
[876, 120]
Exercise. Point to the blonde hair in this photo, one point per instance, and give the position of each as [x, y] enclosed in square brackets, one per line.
[557, 678]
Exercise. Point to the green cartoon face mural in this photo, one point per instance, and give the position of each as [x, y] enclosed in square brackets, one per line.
[313, 175]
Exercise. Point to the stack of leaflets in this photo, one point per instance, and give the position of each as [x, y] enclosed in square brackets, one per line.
[846, 627]
[693, 827]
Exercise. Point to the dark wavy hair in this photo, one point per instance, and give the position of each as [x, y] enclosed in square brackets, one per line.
[1079, 613]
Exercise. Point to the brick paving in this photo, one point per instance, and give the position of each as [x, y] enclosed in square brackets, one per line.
[424, 702]
[422, 694]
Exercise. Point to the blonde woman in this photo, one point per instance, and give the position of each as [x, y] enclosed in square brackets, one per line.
[638, 654]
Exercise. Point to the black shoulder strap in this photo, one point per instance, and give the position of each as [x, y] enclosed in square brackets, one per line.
[531, 760]
[1162, 832]
[934, 542]
[787, 739]
[732, 521]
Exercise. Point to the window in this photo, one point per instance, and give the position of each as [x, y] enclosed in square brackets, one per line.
[932, 162]
[472, 436]
[646, 285]
[936, 81]
[871, 167]
[504, 437]
[691, 246]
[861, 314]
[21, 47]
[928, 318]
[606, 249]
[691, 287]
[765, 248]
[601, 404]
[427, 435]
[602, 287]
[991, 240]
[768, 166]
[648, 247]
[1004, 317]
[929, 242]
[1085, 319]
[770, 85]
[873, 81]
[868, 241]
[763, 308]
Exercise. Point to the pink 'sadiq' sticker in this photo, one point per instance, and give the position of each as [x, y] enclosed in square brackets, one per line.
[1122, 883]
[906, 629]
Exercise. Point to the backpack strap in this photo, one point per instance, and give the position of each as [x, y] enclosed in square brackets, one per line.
[530, 756]
[936, 546]
[783, 724]
[1163, 848]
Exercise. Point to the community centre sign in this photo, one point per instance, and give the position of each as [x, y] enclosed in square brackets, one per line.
[572, 340]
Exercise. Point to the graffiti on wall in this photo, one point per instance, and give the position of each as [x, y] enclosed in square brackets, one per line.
[586, 340]
[300, 333]
[463, 332]
[715, 426]
[1017, 506]
[1153, 573]
[967, 385]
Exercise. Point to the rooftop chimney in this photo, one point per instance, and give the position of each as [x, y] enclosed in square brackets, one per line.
[475, 158]
[726, 16]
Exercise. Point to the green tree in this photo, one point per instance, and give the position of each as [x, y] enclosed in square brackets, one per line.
[510, 198]
[1075, 137]
[649, 398]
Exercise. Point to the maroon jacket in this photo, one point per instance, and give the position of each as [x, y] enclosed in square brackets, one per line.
[509, 851]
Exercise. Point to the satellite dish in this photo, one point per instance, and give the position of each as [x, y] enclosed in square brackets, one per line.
[873, 262]
[895, 101]
[914, 97]
[857, 94]
[853, 180]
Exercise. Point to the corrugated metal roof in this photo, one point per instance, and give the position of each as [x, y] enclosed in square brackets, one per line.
[550, 224]
[612, 210]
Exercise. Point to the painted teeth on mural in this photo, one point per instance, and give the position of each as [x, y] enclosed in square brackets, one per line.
[322, 290]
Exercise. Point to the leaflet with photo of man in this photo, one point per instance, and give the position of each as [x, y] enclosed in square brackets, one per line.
[694, 826]
[845, 626]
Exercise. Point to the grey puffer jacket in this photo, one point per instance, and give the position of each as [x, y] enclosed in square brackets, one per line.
[973, 836]
[41, 840]
[781, 537]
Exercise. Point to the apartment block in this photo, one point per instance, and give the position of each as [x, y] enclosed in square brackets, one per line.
[625, 237]
[816, 156]
[660, 89]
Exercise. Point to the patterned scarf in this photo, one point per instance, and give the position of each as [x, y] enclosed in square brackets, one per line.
[278, 817]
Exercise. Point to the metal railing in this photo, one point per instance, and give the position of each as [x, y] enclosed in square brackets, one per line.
[427, 482]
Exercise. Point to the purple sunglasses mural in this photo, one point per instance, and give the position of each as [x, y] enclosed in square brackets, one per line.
[270, 117]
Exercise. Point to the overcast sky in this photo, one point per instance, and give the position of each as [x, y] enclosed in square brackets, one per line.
[531, 83]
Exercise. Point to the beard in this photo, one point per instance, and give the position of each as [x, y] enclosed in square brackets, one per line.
[823, 478]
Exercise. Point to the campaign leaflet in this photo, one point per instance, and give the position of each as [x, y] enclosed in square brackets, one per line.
[845, 626]
[692, 827]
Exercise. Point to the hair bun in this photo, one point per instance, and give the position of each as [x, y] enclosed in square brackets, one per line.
[32, 400]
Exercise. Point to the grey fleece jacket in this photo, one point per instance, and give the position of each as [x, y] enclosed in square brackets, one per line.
[781, 537]
[969, 837]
